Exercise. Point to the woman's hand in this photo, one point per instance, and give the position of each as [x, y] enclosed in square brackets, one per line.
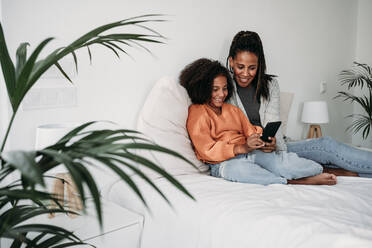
[253, 142]
[269, 146]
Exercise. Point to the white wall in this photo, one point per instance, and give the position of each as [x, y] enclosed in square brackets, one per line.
[305, 42]
[363, 55]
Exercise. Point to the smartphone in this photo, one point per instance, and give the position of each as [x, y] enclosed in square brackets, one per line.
[270, 130]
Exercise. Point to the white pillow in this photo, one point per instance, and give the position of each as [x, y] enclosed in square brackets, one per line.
[163, 119]
[286, 99]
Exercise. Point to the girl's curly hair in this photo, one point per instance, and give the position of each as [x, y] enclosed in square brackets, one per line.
[198, 77]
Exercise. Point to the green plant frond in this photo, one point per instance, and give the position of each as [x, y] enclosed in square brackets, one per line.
[127, 179]
[24, 161]
[367, 68]
[5, 171]
[111, 48]
[89, 54]
[149, 164]
[74, 132]
[23, 83]
[363, 101]
[36, 240]
[70, 165]
[142, 175]
[10, 194]
[361, 122]
[7, 66]
[19, 214]
[89, 181]
[45, 228]
[152, 147]
[114, 46]
[352, 78]
[70, 244]
[157, 34]
[17, 243]
[62, 71]
[21, 56]
[55, 239]
[75, 61]
[83, 41]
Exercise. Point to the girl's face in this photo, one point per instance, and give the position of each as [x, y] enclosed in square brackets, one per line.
[244, 66]
[219, 92]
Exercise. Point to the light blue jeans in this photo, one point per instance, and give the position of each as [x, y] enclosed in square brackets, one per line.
[265, 168]
[332, 153]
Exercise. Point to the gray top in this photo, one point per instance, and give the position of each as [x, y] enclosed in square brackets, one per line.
[269, 110]
[250, 104]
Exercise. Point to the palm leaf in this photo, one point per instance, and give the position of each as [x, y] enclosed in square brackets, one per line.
[359, 76]
[7, 66]
[21, 56]
[31, 69]
[24, 161]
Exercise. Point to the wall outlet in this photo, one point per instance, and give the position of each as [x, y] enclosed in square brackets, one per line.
[50, 97]
[323, 87]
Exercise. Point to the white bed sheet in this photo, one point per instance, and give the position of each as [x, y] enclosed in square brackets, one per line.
[227, 214]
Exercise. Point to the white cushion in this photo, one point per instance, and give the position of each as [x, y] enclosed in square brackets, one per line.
[163, 119]
[286, 99]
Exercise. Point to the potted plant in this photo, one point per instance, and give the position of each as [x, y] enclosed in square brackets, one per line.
[27, 197]
[359, 76]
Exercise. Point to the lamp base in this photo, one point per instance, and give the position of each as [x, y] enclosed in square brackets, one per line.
[314, 132]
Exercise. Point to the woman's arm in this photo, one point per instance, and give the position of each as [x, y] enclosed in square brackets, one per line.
[272, 113]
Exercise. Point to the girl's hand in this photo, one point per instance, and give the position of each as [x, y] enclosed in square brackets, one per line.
[269, 146]
[254, 142]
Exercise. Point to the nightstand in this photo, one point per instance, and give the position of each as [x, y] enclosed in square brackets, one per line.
[121, 227]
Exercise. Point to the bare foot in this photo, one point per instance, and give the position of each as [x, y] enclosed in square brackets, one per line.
[321, 179]
[340, 172]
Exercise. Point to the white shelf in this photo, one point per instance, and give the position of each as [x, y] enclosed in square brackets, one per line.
[121, 227]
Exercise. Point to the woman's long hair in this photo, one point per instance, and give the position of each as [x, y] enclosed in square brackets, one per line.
[248, 41]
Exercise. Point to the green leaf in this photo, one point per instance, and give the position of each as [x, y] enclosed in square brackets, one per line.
[63, 72]
[24, 161]
[7, 66]
[21, 56]
[23, 82]
[75, 60]
[18, 243]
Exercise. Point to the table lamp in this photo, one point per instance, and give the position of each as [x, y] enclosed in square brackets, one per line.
[315, 113]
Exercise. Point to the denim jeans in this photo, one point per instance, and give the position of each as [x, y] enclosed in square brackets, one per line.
[332, 153]
[265, 168]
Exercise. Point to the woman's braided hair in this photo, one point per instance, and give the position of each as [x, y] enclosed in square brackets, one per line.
[248, 41]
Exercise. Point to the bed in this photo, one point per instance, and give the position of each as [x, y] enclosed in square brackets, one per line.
[227, 214]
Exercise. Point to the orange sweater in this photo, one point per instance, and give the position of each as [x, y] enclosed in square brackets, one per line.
[214, 136]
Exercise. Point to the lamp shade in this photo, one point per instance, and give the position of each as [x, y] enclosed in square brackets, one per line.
[49, 134]
[315, 112]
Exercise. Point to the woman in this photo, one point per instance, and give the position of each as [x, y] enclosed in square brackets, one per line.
[224, 138]
[257, 95]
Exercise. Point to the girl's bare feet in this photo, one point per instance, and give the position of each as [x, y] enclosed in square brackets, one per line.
[340, 172]
[321, 179]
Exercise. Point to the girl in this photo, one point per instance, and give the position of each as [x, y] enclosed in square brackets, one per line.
[224, 138]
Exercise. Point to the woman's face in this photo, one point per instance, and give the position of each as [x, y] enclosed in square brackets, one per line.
[244, 65]
[219, 92]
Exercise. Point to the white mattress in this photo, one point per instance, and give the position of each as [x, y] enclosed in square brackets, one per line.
[227, 214]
